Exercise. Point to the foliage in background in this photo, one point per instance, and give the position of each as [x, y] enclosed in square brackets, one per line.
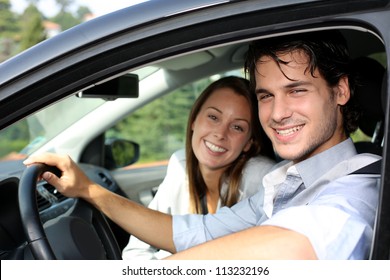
[64, 17]
[32, 30]
[14, 138]
[9, 30]
[19, 32]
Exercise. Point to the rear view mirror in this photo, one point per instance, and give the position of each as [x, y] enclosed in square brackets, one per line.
[125, 86]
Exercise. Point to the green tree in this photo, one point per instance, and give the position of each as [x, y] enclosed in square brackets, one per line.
[32, 29]
[64, 4]
[14, 138]
[9, 30]
[64, 17]
[82, 11]
[8, 20]
[66, 20]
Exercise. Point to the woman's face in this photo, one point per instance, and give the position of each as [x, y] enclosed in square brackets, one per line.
[221, 130]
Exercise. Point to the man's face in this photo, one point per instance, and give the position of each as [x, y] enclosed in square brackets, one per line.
[300, 113]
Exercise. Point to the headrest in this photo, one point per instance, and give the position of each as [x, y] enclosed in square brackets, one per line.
[368, 91]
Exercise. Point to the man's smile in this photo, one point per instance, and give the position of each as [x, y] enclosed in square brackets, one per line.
[288, 131]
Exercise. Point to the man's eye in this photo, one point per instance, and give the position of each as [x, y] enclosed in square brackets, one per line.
[298, 91]
[263, 97]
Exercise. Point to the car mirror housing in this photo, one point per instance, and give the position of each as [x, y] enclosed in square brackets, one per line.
[120, 153]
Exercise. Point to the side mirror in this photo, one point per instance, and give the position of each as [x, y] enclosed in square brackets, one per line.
[120, 153]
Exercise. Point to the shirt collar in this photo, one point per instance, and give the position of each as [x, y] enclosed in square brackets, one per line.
[323, 162]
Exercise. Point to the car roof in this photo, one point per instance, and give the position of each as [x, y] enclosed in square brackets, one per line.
[107, 25]
[116, 22]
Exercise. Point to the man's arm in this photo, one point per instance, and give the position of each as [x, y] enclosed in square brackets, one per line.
[148, 225]
[260, 242]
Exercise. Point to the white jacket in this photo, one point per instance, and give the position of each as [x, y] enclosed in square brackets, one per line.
[172, 197]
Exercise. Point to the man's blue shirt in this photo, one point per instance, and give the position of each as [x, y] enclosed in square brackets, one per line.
[318, 198]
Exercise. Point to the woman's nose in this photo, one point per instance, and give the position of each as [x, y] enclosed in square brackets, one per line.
[220, 131]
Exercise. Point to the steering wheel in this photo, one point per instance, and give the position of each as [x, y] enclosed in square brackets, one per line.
[81, 232]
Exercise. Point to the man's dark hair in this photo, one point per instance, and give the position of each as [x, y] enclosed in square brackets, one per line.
[326, 51]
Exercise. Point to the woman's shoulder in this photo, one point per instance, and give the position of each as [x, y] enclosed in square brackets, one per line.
[252, 175]
[257, 167]
[260, 161]
[178, 159]
[179, 156]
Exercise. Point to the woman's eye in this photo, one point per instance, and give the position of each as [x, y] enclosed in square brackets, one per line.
[212, 117]
[238, 128]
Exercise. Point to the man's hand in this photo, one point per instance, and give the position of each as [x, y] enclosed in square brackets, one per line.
[72, 182]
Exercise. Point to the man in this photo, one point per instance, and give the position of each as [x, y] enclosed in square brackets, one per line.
[312, 206]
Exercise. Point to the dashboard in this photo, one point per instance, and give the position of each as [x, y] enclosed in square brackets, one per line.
[51, 204]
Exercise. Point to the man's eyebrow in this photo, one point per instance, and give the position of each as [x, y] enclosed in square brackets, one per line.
[298, 84]
[261, 90]
[288, 86]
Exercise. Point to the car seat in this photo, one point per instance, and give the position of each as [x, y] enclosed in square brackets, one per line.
[370, 76]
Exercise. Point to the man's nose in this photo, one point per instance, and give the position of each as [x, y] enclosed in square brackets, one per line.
[281, 109]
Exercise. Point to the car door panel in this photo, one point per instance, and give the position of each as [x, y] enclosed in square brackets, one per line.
[140, 184]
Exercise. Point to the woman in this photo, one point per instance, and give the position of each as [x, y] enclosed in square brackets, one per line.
[225, 158]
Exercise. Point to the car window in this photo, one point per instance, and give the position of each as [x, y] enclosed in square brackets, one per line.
[160, 126]
[29, 134]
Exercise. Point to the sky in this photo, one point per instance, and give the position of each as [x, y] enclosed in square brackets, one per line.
[98, 7]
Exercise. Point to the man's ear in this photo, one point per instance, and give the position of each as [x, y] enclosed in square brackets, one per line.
[343, 91]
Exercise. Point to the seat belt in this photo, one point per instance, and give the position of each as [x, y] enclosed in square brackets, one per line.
[372, 168]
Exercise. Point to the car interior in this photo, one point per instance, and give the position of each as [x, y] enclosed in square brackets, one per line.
[157, 80]
[370, 92]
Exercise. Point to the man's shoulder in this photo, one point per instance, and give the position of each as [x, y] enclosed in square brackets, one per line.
[360, 161]
[350, 166]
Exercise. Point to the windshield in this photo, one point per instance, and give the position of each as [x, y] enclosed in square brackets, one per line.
[26, 136]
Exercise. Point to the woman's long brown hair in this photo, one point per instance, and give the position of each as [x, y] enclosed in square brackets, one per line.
[260, 145]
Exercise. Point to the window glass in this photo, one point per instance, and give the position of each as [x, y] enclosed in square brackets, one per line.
[27, 135]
